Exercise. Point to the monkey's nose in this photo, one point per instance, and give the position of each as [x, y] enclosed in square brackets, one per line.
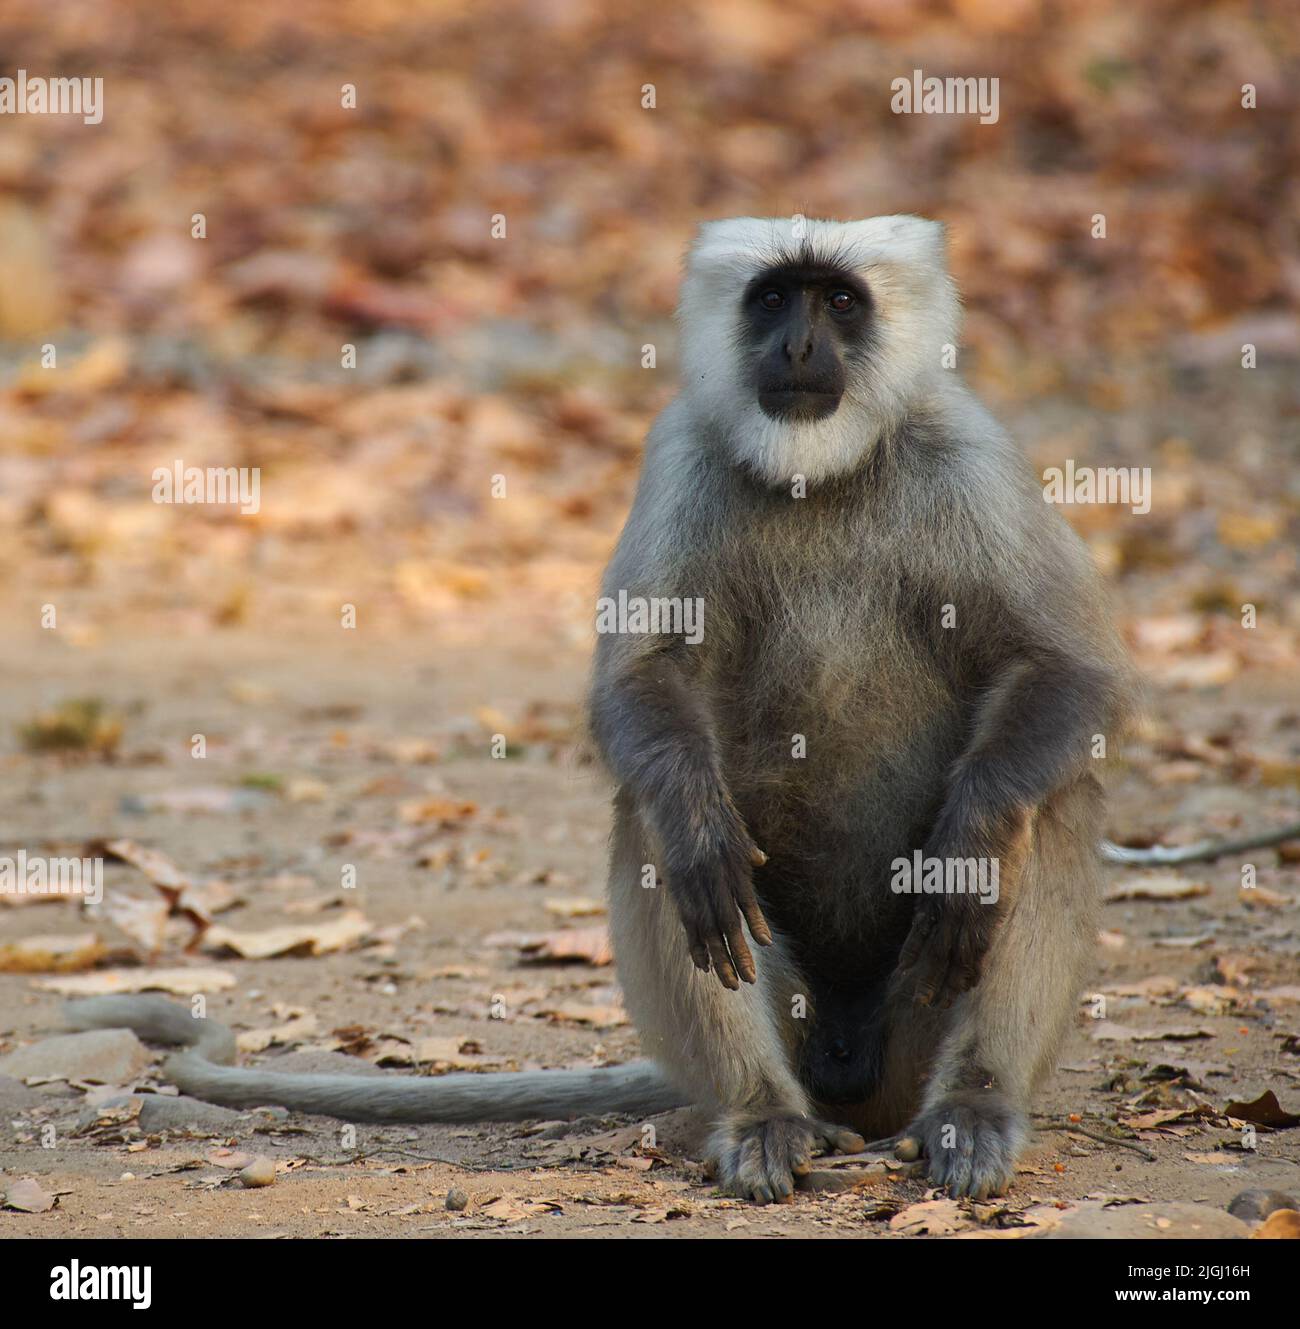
[838, 1049]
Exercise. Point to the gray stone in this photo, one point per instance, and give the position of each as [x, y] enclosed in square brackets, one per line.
[162, 1112]
[16, 1097]
[103, 1056]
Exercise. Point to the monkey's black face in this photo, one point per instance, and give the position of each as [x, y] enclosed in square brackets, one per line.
[803, 324]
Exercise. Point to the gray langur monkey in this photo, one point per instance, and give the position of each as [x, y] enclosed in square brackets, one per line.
[900, 658]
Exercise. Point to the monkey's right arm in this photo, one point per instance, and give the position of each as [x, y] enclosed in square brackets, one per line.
[1033, 648]
[651, 721]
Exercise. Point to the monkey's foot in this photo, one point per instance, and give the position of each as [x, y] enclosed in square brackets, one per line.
[760, 1160]
[971, 1139]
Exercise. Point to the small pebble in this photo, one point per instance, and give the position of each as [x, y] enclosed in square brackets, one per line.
[260, 1172]
[457, 1200]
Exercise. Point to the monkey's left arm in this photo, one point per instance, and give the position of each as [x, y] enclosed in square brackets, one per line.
[1032, 734]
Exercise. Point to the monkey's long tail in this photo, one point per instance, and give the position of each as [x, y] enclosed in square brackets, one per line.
[203, 1071]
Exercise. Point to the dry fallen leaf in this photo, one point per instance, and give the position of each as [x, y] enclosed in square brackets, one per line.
[59, 955]
[234, 1160]
[193, 900]
[292, 1031]
[1149, 1121]
[439, 811]
[153, 863]
[1212, 1000]
[144, 921]
[935, 1218]
[457, 1053]
[1157, 886]
[27, 1197]
[511, 1211]
[318, 938]
[575, 906]
[1264, 1111]
[1260, 897]
[1281, 1224]
[182, 982]
[589, 945]
[601, 1017]
[1106, 1031]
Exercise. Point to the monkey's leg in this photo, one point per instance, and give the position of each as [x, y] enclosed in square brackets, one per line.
[734, 1052]
[1002, 1036]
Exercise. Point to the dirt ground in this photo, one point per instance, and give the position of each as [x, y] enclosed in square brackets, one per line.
[317, 731]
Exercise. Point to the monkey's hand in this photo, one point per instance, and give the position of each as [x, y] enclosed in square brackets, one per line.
[713, 891]
[945, 949]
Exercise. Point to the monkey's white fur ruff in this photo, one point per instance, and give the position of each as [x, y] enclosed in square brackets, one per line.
[915, 314]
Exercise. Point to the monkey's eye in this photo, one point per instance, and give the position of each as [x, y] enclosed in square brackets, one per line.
[771, 299]
[842, 301]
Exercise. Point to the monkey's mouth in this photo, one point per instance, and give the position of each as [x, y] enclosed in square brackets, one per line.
[797, 404]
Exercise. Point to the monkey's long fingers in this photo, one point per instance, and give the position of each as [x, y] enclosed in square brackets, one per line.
[722, 961]
[698, 945]
[914, 945]
[933, 986]
[740, 953]
[748, 902]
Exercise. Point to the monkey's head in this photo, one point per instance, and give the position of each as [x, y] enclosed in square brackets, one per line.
[804, 340]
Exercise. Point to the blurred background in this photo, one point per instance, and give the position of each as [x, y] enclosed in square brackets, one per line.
[331, 225]
[521, 355]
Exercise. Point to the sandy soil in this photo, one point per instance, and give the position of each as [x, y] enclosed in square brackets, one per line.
[325, 709]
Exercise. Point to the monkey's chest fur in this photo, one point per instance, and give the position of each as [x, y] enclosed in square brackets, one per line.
[839, 722]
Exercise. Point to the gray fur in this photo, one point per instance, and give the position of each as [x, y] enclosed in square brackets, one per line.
[822, 618]
[637, 1087]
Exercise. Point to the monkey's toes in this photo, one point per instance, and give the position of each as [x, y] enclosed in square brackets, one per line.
[763, 1160]
[760, 1160]
[971, 1140]
[831, 1139]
